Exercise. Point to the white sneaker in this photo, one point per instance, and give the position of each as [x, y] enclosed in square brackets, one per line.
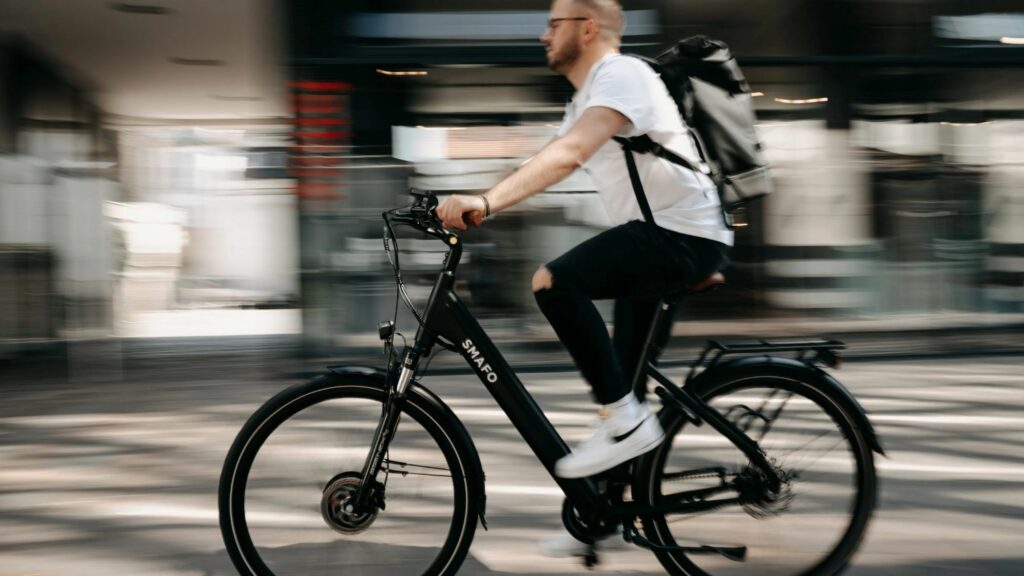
[565, 546]
[609, 447]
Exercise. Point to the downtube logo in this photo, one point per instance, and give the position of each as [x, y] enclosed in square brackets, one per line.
[477, 358]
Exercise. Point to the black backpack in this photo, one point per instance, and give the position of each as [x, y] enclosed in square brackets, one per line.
[714, 100]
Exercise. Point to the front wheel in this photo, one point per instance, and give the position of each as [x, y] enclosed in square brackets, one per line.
[288, 478]
[810, 525]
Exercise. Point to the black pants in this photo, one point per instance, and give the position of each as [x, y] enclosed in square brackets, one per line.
[636, 265]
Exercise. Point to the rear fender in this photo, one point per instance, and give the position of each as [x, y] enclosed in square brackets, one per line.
[798, 370]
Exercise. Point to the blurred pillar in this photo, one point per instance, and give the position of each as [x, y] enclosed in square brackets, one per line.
[80, 236]
[819, 257]
[8, 95]
[345, 176]
[28, 299]
[837, 36]
[1004, 228]
[928, 215]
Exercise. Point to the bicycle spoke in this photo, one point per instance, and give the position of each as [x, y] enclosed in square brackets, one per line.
[770, 420]
[386, 465]
[801, 449]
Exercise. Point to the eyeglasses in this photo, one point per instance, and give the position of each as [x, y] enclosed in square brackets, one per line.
[553, 21]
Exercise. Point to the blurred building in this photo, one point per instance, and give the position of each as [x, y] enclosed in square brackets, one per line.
[894, 130]
[235, 157]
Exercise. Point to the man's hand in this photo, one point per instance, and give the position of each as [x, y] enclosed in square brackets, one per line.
[458, 210]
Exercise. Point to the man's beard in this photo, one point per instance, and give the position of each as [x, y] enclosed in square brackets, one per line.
[564, 59]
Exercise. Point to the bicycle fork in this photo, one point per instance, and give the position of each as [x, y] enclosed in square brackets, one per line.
[387, 426]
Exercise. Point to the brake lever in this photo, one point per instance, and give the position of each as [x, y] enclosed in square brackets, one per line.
[423, 212]
[424, 198]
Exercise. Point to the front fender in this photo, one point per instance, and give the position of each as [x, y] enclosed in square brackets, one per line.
[796, 369]
[474, 468]
[358, 370]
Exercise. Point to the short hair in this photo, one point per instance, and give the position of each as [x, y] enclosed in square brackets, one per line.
[608, 14]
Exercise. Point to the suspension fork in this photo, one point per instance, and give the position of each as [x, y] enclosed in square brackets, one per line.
[391, 414]
[397, 387]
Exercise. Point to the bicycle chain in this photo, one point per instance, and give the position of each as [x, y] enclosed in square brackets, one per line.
[695, 477]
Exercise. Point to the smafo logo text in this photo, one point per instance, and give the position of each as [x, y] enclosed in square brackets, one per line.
[477, 358]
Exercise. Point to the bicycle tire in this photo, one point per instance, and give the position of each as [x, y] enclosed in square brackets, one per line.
[422, 407]
[811, 386]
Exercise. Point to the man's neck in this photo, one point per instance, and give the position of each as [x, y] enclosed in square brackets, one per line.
[581, 68]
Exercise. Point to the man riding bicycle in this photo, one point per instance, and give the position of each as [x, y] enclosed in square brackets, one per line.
[633, 262]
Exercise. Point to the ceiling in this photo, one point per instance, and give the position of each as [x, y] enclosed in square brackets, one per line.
[126, 60]
[135, 65]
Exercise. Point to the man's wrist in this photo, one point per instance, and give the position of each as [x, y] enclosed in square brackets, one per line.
[487, 206]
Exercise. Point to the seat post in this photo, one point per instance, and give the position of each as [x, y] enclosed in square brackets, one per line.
[651, 350]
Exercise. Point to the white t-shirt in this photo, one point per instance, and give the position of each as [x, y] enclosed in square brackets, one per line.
[681, 200]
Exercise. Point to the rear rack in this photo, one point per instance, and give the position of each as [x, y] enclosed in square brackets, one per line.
[810, 351]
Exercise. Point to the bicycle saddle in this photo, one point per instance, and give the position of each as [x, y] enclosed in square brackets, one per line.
[716, 280]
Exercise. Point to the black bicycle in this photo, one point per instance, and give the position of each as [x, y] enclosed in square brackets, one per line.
[767, 466]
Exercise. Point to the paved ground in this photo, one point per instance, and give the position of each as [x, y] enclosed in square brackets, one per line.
[114, 470]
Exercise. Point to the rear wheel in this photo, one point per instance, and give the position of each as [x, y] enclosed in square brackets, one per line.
[287, 483]
[811, 524]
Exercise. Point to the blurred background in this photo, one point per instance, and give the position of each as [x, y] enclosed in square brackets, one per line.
[190, 201]
[218, 169]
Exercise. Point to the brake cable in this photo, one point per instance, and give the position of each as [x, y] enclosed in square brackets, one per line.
[395, 266]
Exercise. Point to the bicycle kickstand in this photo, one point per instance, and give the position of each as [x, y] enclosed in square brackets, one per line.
[590, 559]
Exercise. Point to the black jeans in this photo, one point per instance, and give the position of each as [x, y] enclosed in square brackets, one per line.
[637, 265]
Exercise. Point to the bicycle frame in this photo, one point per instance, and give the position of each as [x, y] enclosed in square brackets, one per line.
[446, 319]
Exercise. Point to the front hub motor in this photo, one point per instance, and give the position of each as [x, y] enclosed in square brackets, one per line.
[337, 506]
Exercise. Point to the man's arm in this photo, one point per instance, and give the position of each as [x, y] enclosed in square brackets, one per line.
[552, 164]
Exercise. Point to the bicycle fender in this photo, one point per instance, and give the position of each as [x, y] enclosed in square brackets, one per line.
[474, 468]
[798, 369]
[358, 370]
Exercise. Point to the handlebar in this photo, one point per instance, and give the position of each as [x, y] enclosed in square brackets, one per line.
[422, 216]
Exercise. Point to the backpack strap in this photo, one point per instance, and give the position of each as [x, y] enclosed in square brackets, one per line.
[634, 178]
[644, 145]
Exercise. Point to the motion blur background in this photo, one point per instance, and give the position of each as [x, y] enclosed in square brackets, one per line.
[185, 168]
[190, 200]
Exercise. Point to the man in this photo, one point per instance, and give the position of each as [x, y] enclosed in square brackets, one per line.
[632, 262]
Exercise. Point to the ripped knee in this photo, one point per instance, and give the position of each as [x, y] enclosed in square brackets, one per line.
[541, 279]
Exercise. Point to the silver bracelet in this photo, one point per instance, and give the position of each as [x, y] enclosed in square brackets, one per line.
[487, 206]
